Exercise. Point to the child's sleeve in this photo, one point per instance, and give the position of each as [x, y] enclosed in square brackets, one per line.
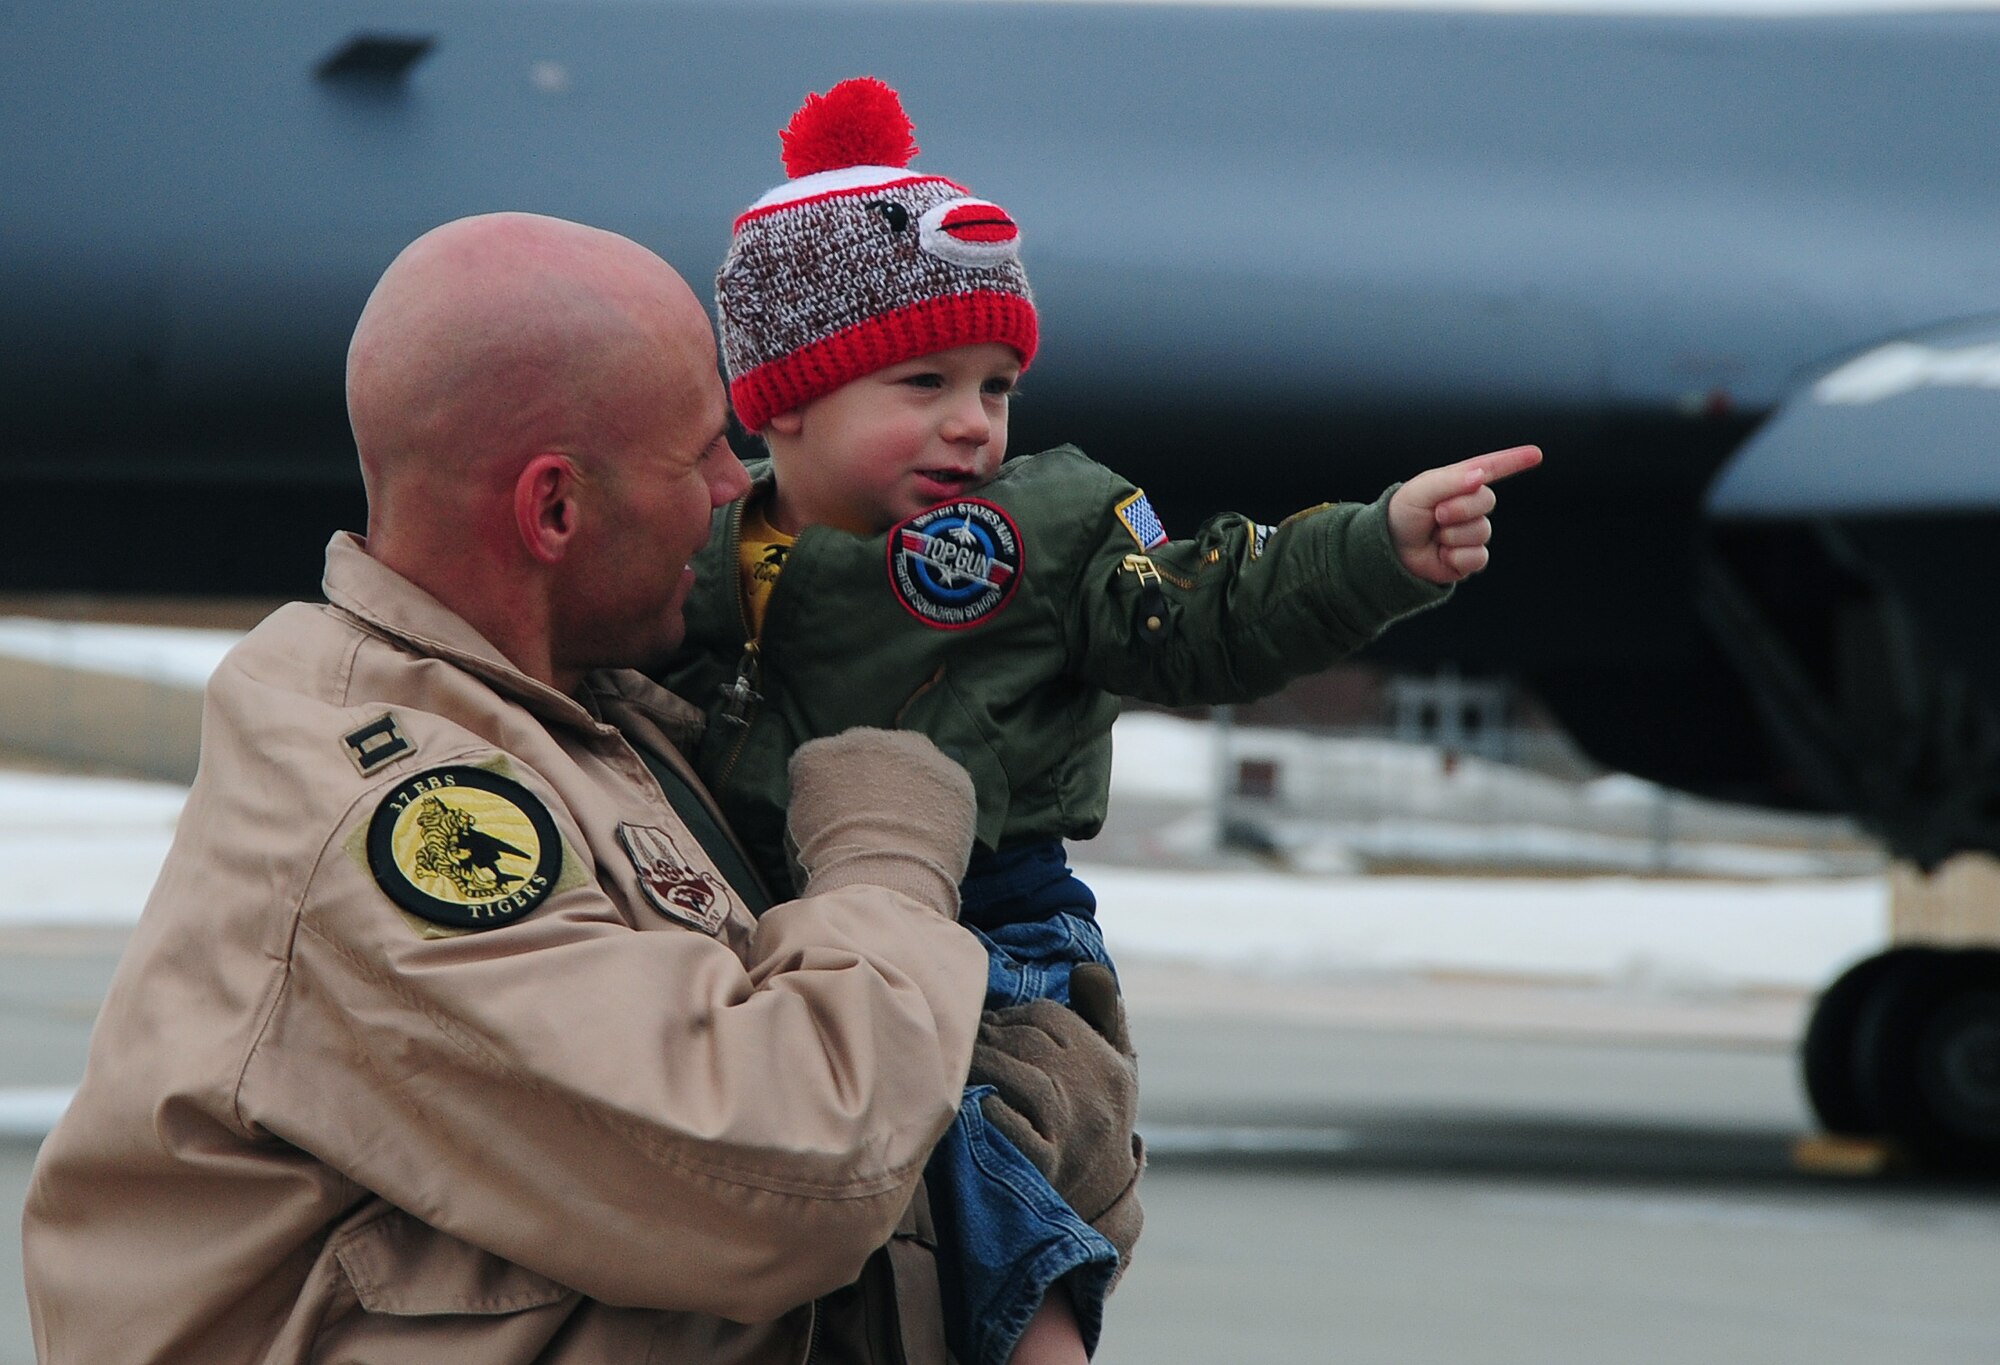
[1239, 609]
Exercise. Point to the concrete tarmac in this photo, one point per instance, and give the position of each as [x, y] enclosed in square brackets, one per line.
[1310, 1262]
[1484, 1172]
[1477, 1172]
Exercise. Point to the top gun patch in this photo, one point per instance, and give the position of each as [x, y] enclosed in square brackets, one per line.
[464, 847]
[955, 565]
[1138, 517]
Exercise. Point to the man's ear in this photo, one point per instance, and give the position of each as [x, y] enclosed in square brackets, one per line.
[545, 505]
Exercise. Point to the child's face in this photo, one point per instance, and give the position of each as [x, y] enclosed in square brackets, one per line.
[891, 444]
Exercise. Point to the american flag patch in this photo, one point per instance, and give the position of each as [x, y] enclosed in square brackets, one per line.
[1142, 521]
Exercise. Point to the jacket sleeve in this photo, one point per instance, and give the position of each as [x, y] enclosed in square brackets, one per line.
[1239, 609]
[640, 1115]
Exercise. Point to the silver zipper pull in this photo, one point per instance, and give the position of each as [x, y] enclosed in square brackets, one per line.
[739, 696]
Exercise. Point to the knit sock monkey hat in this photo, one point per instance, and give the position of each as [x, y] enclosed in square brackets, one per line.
[857, 262]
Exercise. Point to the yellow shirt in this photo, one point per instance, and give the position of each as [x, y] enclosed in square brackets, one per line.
[761, 556]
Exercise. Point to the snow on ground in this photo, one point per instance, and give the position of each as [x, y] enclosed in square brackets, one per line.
[81, 850]
[1674, 936]
[85, 850]
[1786, 932]
[179, 655]
[1347, 803]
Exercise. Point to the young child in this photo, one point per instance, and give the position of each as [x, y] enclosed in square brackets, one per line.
[887, 569]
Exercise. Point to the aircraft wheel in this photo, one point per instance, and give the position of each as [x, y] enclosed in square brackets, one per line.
[1928, 1058]
[1958, 1069]
[1830, 1054]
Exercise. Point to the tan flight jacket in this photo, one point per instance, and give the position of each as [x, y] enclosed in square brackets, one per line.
[313, 1128]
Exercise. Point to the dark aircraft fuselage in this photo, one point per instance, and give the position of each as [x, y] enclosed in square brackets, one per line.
[1282, 255]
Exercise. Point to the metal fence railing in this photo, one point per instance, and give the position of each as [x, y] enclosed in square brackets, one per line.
[1365, 800]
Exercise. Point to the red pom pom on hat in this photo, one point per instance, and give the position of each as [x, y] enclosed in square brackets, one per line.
[859, 122]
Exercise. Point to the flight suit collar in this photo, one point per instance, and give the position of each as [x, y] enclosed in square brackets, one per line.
[388, 604]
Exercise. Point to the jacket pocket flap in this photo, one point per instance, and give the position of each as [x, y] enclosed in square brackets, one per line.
[404, 1267]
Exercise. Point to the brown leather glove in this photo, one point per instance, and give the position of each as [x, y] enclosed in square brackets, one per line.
[884, 808]
[1067, 1084]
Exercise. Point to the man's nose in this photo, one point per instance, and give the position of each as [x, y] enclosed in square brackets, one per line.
[729, 481]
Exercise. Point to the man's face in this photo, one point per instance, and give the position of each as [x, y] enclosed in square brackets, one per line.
[644, 511]
[893, 443]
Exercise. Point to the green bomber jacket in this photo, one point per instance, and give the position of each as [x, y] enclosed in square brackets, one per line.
[1006, 626]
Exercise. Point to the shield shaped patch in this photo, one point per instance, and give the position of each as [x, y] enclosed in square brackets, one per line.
[671, 884]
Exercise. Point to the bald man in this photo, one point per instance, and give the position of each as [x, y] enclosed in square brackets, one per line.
[456, 1029]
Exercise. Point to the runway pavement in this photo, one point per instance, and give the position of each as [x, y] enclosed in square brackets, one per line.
[1464, 1170]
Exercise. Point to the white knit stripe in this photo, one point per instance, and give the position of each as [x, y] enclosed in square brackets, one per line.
[845, 180]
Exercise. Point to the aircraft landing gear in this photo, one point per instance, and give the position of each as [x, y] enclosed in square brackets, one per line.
[1958, 1071]
[1906, 1045]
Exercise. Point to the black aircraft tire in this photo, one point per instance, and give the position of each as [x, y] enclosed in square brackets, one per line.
[1829, 1055]
[1912, 1052]
[1957, 1068]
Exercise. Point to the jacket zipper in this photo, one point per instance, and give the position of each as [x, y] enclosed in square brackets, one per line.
[1143, 565]
[741, 696]
[812, 1336]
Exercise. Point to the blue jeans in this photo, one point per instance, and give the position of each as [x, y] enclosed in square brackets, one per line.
[1004, 1235]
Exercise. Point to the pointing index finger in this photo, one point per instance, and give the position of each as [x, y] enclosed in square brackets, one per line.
[1499, 464]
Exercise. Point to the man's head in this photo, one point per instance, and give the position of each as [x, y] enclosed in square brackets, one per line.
[540, 427]
[858, 263]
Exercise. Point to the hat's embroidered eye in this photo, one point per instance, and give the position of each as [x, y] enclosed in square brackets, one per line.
[893, 213]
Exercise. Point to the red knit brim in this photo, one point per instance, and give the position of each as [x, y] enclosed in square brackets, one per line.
[936, 324]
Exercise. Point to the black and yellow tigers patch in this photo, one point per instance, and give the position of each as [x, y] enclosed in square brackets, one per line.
[464, 847]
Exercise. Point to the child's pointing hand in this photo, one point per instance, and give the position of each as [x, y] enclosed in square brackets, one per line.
[1438, 520]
